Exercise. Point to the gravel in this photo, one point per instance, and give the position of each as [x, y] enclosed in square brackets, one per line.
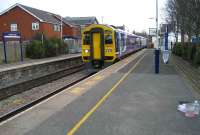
[33, 94]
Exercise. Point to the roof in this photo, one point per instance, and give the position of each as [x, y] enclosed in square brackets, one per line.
[42, 16]
[82, 20]
[63, 20]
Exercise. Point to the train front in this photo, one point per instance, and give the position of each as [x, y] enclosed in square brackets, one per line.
[98, 46]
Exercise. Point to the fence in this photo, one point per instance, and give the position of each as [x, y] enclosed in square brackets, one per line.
[74, 45]
[13, 51]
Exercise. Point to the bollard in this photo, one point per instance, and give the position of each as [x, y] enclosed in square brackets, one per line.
[157, 60]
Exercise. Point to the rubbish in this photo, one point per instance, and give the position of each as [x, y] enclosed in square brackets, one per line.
[191, 109]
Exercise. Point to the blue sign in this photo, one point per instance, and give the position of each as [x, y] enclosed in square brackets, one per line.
[195, 39]
[13, 34]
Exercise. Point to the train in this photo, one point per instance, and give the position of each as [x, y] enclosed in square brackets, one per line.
[103, 45]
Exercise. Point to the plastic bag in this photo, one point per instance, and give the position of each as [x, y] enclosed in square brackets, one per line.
[190, 109]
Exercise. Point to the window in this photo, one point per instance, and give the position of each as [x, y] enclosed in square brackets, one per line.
[13, 27]
[56, 27]
[108, 39]
[86, 40]
[35, 26]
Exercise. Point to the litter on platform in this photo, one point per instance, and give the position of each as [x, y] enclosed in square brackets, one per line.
[190, 109]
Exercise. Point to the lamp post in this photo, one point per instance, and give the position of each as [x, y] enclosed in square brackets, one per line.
[157, 42]
[157, 51]
[102, 19]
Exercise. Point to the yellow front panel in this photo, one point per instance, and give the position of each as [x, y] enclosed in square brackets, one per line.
[96, 45]
[109, 49]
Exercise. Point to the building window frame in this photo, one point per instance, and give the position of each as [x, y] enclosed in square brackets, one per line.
[13, 27]
[56, 27]
[35, 26]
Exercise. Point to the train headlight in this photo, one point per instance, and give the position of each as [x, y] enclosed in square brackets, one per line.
[86, 51]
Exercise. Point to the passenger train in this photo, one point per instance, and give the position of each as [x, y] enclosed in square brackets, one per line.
[103, 45]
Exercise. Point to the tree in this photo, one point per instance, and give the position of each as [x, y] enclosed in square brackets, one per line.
[183, 15]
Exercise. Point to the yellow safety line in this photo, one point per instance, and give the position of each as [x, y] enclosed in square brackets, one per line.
[94, 108]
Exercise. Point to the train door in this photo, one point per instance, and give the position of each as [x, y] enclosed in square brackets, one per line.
[96, 38]
[97, 47]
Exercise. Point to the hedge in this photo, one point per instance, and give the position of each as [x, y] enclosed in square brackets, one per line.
[48, 48]
[197, 56]
[188, 51]
[35, 50]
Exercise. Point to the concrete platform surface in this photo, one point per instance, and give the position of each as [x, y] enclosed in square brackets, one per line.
[143, 104]
[6, 67]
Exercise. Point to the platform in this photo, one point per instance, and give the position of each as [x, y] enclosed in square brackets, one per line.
[125, 99]
[33, 62]
[22, 76]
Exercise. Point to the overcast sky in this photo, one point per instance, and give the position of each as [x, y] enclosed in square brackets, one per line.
[134, 14]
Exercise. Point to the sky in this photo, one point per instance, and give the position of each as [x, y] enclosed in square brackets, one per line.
[138, 15]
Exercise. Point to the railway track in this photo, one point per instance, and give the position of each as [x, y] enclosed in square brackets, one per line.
[37, 81]
[23, 107]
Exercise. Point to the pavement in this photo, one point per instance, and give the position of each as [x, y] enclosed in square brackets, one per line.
[139, 102]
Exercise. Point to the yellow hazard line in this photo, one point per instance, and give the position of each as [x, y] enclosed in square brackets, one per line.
[102, 100]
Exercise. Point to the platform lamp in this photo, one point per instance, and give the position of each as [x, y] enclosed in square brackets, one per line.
[157, 50]
[157, 42]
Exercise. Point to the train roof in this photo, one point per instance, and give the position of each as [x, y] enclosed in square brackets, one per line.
[117, 30]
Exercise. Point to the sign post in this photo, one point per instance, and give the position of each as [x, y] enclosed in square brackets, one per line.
[5, 53]
[21, 49]
[14, 35]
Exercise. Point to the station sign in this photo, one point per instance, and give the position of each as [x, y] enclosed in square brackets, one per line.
[165, 56]
[12, 35]
[152, 31]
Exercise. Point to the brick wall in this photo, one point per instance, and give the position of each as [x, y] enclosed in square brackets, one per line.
[48, 30]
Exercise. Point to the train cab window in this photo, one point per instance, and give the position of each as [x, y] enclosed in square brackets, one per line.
[108, 39]
[86, 40]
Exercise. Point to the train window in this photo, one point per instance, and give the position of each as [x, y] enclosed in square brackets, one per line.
[108, 39]
[117, 41]
[107, 32]
[86, 40]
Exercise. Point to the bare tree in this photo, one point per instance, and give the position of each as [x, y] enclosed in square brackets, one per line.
[183, 15]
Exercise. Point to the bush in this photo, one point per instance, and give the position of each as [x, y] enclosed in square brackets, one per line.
[191, 52]
[51, 47]
[197, 56]
[177, 49]
[35, 50]
[184, 53]
[63, 49]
